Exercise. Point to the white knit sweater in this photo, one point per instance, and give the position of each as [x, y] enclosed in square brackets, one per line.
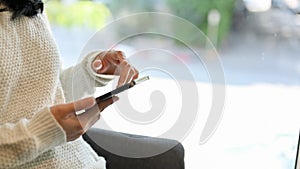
[30, 82]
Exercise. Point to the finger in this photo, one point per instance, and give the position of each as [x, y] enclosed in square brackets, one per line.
[136, 74]
[67, 110]
[92, 122]
[97, 108]
[82, 104]
[104, 63]
[116, 57]
[127, 77]
[90, 116]
[124, 71]
[120, 55]
[103, 104]
[130, 75]
[109, 62]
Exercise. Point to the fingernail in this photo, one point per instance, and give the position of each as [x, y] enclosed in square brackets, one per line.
[97, 65]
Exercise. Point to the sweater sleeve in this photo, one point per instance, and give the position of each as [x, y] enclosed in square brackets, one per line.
[25, 140]
[81, 80]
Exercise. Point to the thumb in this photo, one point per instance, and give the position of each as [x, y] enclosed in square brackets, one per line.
[82, 104]
[64, 110]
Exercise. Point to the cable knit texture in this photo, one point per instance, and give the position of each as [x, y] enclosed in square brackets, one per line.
[30, 82]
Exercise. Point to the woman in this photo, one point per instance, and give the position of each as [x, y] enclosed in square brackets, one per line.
[37, 128]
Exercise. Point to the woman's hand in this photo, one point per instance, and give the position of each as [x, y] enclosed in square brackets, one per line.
[114, 63]
[75, 125]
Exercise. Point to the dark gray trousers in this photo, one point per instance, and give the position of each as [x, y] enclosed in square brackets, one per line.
[172, 158]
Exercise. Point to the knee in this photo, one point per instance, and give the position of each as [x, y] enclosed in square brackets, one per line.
[174, 158]
[178, 151]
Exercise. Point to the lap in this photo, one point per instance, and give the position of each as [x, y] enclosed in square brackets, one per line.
[135, 152]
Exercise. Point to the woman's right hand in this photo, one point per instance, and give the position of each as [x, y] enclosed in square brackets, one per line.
[76, 125]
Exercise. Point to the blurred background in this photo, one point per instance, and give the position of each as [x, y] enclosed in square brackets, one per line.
[257, 42]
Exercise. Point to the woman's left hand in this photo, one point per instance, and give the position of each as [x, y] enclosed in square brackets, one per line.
[113, 62]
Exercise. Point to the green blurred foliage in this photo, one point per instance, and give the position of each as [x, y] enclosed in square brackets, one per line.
[131, 6]
[196, 11]
[78, 14]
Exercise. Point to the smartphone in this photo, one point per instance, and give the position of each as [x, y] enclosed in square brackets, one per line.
[121, 89]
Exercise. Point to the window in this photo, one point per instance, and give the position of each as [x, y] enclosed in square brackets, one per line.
[260, 63]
